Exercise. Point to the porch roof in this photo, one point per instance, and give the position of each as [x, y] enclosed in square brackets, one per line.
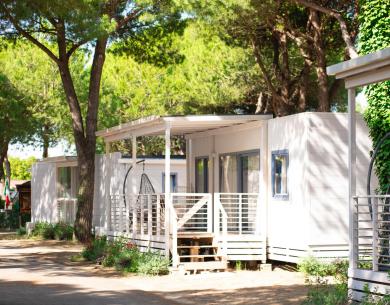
[178, 125]
[363, 70]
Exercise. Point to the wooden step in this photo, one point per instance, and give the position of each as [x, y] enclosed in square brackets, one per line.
[211, 265]
[198, 247]
[200, 256]
[194, 235]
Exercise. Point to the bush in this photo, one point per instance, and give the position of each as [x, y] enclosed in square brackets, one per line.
[125, 256]
[153, 264]
[21, 231]
[63, 231]
[95, 250]
[44, 230]
[327, 295]
[320, 270]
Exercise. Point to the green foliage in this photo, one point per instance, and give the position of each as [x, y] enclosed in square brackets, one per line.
[21, 231]
[9, 219]
[313, 267]
[327, 295]
[374, 34]
[44, 230]
[21, 168]
[96, 249]
[125, 257]
[63, 231]
[59, 231]
[152, 264]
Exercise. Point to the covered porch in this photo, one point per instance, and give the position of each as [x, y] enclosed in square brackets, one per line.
[206, 225]
[369, 213]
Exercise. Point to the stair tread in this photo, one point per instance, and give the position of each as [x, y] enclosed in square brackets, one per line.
[196, 247]
[194, 235]
[201, 255]
[212, 265]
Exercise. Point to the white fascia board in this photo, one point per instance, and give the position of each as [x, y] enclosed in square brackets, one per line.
[227, 129]
[359, 62]
[152, 161]
[215, 118]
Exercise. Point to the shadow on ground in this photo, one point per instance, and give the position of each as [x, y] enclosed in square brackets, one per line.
[18, 293]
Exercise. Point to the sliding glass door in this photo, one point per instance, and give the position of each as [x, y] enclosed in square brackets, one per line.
[239, 172]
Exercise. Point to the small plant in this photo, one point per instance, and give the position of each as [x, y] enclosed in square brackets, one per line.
[312, 267]
[21, 231]
[44, 230]
[327, 295]
[238, 265]
[152, 264]
[96, 249]
[63, 231]
[128, 260]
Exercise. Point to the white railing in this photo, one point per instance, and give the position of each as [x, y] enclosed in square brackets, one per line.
[66, 209]
[138, 215]
[241, 211]
[193, 212]
[371, 232]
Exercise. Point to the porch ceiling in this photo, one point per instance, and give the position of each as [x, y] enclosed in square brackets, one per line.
[179, 125]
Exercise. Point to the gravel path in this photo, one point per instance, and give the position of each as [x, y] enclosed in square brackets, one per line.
[40, 272]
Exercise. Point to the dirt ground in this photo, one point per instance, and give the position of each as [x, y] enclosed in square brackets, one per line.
[40, 272]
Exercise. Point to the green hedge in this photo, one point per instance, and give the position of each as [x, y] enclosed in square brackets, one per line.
[59, 231]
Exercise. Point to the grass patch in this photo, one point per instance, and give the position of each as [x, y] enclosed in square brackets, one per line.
[58, 231]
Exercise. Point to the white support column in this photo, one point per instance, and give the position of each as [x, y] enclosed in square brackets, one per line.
[134, 164]
[188, 165]
[352, 174]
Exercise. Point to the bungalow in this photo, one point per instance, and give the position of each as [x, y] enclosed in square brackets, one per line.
[258, 188]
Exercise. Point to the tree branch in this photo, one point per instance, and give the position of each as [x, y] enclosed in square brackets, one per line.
[126, 19]
[28, 35]
[343, 25]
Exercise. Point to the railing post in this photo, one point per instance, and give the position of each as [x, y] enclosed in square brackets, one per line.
[158, 214]
[216, 215]
[240, 214]
[120, 217]
[209, 214]
[374, 234]
[141, 218]
[150, 233]
[134, 205]
[175, 257]
[127, 214]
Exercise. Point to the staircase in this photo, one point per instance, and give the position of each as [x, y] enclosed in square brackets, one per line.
[199, 252]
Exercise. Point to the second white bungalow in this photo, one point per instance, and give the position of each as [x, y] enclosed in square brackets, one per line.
[258, 188]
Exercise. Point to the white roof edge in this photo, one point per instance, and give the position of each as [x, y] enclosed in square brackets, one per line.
[151, 120]
[361, 61]
[58, 159]
[120, 127]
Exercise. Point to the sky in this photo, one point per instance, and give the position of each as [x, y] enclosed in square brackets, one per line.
[62, 149]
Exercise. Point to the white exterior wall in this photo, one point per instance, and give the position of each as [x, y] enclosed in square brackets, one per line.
[109, 177]
[288, 220]
[43, 192]
[212, 146]
[328, 175]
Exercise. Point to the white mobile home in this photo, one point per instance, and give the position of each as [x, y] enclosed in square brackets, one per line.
[257, 188]
[55, 184]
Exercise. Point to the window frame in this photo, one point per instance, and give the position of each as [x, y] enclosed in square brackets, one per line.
[285, 153]
[238, 155]
[173, 174]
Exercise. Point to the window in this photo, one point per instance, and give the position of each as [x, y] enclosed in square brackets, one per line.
[173, 182]
[239, 172]
[64, 189]
[201, 175]
[280, 174]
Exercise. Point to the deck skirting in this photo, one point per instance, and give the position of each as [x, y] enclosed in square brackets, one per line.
[377, 282]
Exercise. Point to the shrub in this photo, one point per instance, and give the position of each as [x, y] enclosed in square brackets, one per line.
[327, 295]
[63, 231]
[21, 231]
[128, 260]
[96, 249]
[320, 270]
[43, 229]
[125, 256]
[152, 264]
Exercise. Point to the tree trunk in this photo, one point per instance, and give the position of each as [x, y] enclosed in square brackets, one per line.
[46, 141]
[3, 155]
[323, 93]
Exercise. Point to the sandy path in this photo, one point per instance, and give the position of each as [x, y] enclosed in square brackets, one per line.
[40, 272]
